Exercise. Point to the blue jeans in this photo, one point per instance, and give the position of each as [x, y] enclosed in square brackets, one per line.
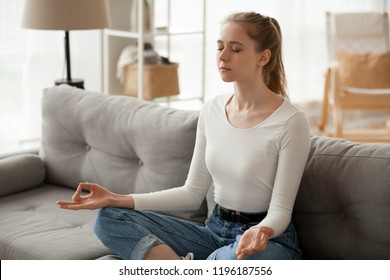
[131, 234]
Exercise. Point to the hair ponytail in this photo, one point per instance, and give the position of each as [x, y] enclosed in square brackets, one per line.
[277, 80]
[266, 32]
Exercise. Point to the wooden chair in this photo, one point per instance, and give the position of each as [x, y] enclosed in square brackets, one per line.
[358, 74]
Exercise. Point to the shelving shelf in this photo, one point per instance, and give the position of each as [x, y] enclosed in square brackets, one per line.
[135, 35]
[120, 35]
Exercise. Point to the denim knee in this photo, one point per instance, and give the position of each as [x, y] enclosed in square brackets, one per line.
[100, 227]
[119, 230]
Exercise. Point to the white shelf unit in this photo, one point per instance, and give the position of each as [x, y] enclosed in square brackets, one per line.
[120, 35]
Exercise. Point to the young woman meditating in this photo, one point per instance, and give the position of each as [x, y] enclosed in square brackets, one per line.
[252, 145]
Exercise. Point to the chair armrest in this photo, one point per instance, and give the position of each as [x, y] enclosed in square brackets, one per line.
[21, 172]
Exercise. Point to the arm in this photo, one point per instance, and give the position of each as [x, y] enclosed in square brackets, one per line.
[189, 196]
[294, 151]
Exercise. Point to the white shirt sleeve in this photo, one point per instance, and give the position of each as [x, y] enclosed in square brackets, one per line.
[294, 151]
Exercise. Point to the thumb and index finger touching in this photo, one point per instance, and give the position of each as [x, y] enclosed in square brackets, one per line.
[77, 196]
[82, 186]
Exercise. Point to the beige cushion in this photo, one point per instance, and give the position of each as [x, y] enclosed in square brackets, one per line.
[364, 70]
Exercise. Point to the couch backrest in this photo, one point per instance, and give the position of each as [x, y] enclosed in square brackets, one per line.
[122, 143]
[130, 146]
[343, 206]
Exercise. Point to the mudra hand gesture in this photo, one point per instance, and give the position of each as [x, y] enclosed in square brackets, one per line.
[98, 197]
[254, 240]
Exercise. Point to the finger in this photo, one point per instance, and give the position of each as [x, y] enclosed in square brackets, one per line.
[245, 253]
[238, 252]
[79, 206]
[72, 207]
[77, 194]
[260, 239]
[80, 188]
[87, 186]
[64, 202]
[263, 237]
[241, 244]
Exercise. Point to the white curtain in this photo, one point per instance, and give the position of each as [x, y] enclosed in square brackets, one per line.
[31, 60]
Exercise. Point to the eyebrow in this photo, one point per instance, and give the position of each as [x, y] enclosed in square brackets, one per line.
[230, 42]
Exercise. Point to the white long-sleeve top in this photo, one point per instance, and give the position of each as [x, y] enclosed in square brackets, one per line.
[252, 170]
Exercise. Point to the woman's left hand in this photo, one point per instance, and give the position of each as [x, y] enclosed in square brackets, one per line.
[254, 240]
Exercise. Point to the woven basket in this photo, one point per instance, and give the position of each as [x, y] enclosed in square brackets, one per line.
[158, 80]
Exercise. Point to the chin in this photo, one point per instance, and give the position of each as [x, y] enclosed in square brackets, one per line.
[227, 79]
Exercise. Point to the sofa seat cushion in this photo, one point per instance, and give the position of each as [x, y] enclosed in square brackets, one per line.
[33, 227]
[343, 205]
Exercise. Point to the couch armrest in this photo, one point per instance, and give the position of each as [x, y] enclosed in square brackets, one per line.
[21, 172]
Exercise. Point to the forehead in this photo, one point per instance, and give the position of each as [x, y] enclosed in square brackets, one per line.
[234, 32]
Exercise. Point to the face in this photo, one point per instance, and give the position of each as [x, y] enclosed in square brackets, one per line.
[237, 58]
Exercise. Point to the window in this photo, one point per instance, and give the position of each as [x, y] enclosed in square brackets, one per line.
[28, 60]
[31, 60]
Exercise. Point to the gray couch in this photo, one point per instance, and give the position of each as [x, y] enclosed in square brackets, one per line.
[131, 146]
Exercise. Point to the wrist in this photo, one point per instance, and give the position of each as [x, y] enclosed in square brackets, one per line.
[122, 201]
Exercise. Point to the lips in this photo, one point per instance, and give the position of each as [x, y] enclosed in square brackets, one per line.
[224, 69]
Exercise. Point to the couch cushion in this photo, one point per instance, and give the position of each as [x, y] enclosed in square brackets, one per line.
[33, 227]
[21, 172]
[120, 142]
[343, 206]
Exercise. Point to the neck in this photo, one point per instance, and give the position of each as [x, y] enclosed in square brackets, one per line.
[251, 96]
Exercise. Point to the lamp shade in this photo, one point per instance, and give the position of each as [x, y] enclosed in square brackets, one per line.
[65, 14]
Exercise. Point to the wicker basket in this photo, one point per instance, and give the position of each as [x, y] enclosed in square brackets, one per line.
[158, 80]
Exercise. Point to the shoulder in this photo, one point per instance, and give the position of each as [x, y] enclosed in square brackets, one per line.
[289, 113]
[295, 124]
[215, 104]
[217, 101]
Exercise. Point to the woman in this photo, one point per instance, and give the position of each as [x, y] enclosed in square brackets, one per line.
[253, 145]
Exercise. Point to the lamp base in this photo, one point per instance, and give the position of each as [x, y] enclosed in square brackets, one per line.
[73, 82]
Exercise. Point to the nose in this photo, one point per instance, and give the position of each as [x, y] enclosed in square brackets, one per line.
[223, 55]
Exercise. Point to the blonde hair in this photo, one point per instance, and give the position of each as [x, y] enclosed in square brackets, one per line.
[265, 31]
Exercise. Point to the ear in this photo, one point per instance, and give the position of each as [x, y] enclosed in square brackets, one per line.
[264, 57]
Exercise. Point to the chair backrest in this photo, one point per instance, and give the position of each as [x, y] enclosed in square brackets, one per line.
[357, 32]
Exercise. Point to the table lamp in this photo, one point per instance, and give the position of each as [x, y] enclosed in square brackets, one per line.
[66, 15]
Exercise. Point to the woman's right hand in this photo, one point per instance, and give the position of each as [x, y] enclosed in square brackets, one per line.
[98, 197]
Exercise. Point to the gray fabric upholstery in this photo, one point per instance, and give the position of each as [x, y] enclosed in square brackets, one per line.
[33, 227]
[122, 143]
[20, 172]
[342, 209]
[343, 205]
